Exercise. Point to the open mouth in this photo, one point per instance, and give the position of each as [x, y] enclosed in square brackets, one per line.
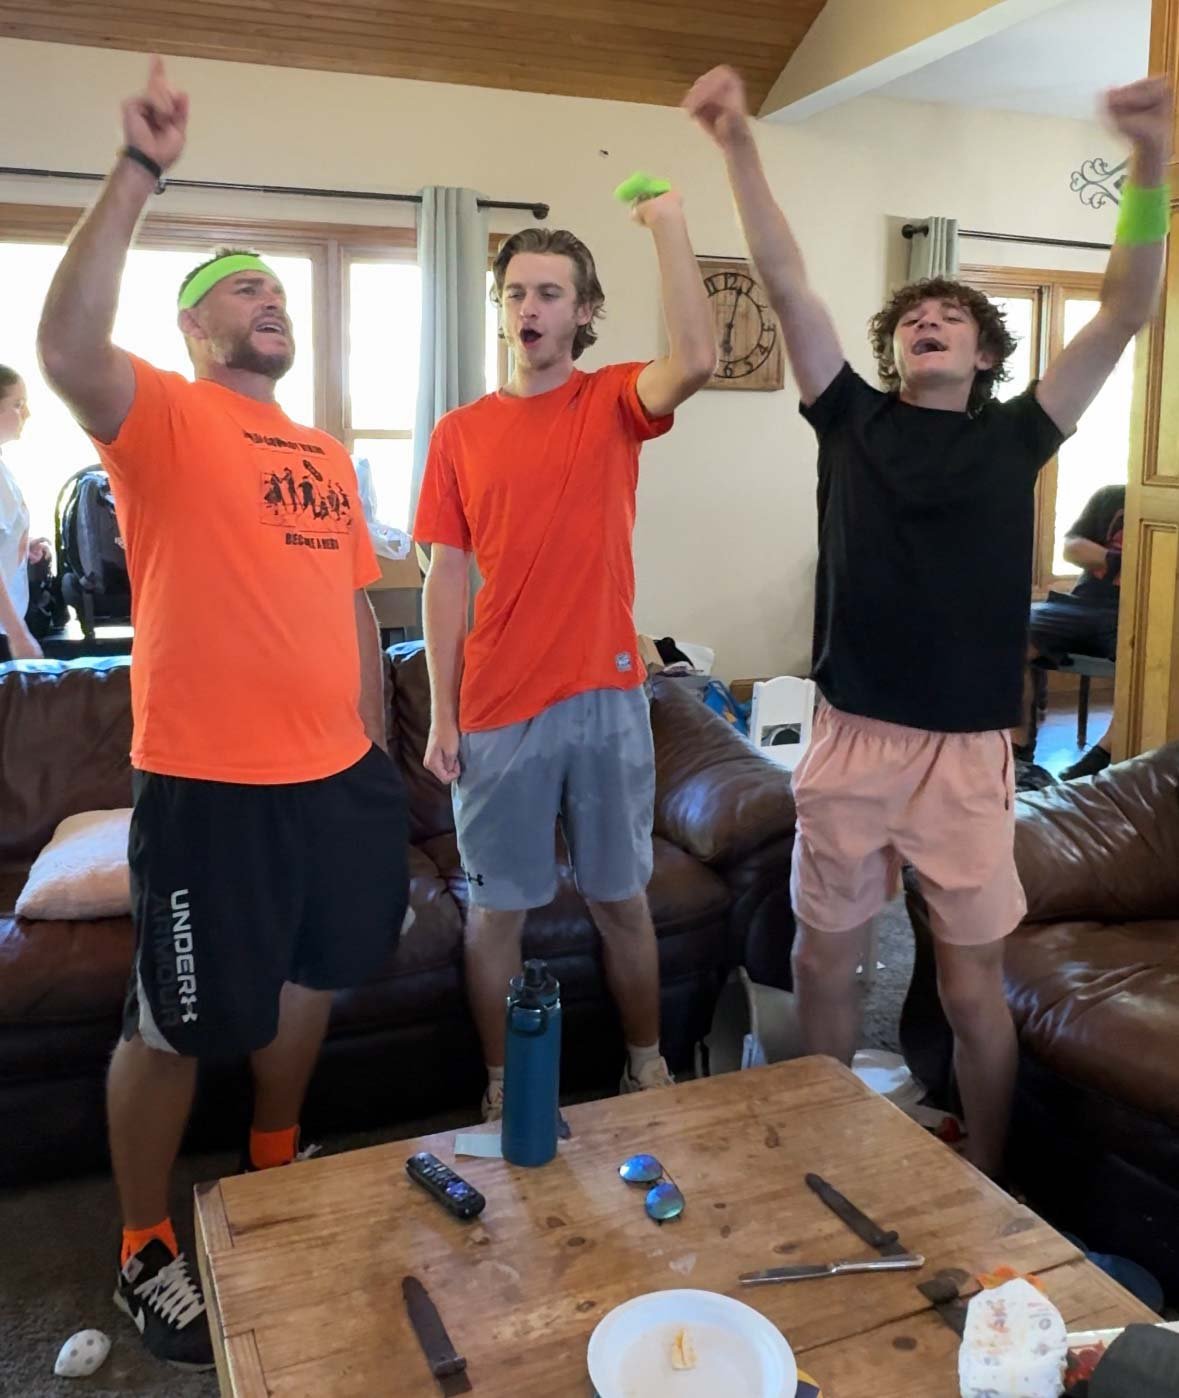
[529, 337]
[271, 327]
[927, 345]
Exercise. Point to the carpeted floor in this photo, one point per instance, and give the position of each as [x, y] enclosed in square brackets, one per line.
[58, 1250]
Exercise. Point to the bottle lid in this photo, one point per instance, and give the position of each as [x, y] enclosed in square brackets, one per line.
[535, 987]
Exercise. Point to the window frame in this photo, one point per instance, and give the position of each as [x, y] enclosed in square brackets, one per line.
[329, 247]
[1048, 290]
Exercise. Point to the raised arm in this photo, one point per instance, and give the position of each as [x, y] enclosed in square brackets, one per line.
[1143, 113]
[94, 377]
[717, 103]
[444, 613]
[691, 357]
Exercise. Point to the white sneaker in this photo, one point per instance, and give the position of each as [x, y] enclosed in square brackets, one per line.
[652, 1074]
[493, 1100]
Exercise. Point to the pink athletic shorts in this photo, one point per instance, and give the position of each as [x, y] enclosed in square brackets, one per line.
[872, 796]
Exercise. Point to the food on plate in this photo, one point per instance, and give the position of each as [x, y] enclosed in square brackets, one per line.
[683, 1351]
[1081, 1362]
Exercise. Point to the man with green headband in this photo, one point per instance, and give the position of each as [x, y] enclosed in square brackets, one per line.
[920, 486]
[268, 842]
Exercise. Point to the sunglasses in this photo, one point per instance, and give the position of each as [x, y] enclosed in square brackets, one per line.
[664, 1200]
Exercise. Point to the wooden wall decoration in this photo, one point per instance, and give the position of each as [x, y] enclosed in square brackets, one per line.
[750, 353]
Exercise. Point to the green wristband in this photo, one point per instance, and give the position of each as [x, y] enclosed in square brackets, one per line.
[1145, 215]
[640, 186]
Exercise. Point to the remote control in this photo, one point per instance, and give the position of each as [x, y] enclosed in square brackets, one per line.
[453, 1193]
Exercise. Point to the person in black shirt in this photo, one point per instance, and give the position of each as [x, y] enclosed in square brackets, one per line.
[925, 501]
[1085, 620]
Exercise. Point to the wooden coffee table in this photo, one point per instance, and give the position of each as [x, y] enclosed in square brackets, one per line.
[303, 1266]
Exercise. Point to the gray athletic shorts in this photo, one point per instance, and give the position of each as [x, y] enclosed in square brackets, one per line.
[589, 761]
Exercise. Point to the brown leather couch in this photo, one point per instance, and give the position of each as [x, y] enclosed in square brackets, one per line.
[1093, 982]
[401, 1045]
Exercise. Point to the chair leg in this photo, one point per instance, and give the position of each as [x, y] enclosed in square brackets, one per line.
[1083, 712]
[868, 968]
[1039, 686]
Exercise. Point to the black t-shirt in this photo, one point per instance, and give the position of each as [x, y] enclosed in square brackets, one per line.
[1101, 521]
[925, 555]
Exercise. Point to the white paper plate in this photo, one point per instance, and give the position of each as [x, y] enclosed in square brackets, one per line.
[887, 1074]
[738, 1352]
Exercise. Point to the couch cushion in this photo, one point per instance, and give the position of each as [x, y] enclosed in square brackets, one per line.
[62, 971]
[1098, 1004]
[398, 992]
[65, 740]
[688, 901]
[82, 873]
[1104, 848]
[430, 811]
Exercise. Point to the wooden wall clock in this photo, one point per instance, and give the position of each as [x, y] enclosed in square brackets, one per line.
[749, 350]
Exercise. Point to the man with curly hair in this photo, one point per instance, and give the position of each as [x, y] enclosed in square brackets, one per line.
[920, 485]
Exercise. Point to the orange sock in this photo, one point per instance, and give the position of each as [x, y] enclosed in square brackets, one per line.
[136, 1238]
[270, 1148]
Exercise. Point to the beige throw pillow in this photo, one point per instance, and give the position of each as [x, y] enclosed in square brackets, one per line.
[82, 872]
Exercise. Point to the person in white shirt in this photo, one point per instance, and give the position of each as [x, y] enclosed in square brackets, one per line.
[16, 549]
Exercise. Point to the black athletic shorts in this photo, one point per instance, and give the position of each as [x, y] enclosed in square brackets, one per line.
[236, 889]
[1064, 625]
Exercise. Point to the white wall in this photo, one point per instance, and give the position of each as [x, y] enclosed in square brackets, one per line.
[725, 541]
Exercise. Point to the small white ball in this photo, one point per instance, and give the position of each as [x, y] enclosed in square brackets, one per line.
[82, 1354]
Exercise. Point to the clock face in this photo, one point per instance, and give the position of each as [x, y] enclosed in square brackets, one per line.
[747, 334]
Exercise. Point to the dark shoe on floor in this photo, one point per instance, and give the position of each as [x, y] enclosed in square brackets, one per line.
[166, 1303]
[1030, 777]
[1094, 761]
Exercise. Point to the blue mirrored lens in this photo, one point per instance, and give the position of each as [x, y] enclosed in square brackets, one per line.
[664, 1201]
[640, 1169]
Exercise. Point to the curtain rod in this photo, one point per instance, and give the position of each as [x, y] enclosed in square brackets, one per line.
[537, 210]
[911, 229]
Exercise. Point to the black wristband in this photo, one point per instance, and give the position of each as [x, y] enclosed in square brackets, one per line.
[138, 156]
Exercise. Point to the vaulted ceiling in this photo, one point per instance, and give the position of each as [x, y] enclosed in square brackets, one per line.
[632, 50]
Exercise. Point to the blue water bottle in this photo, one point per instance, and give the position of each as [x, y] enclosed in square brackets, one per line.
[532, 1068]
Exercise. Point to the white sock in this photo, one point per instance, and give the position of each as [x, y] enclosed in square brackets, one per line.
[640, 1056]
[495, 1076]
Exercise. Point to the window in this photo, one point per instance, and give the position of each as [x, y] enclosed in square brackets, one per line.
[1045, 310]
[354, 295]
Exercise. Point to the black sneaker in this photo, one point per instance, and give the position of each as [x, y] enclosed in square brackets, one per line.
[166, 1303]
[1094, 761]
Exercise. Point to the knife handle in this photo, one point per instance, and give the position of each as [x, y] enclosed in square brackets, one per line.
[902, 1262]
[443, 1359]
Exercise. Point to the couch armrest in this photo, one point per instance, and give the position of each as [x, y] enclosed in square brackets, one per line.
[1105, 848]
[715, 796]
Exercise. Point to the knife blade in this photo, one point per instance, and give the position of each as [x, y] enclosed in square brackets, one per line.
[885, 1243]
[803, 1271]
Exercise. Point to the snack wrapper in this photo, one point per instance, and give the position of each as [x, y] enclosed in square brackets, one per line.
[1014, 1344]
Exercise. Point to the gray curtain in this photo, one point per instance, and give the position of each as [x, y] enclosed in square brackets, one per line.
[452, 252]
[934, 254]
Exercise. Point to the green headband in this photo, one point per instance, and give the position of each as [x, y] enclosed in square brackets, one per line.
[208, 277]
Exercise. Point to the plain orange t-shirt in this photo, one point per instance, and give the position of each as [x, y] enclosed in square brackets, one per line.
[542, 491]
[245, 543]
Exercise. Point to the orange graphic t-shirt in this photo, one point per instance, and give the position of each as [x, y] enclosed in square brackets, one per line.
[245, 543]
[542, 491]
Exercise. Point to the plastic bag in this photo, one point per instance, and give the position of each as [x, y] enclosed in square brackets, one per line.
[1014, 1345]
[387, 541]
